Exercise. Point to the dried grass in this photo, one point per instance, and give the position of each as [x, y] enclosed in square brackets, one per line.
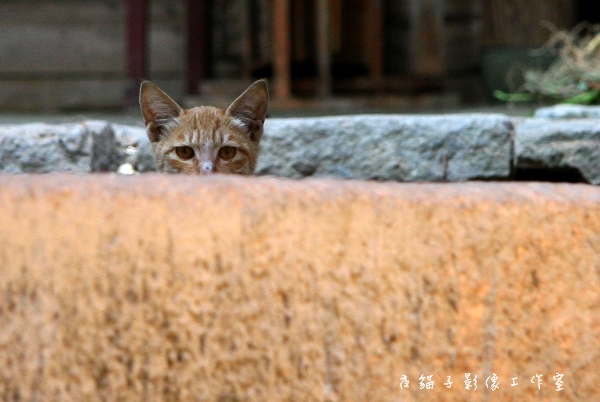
[575, 75]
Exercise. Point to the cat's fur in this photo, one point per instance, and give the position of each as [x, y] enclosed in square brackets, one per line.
[205, 139]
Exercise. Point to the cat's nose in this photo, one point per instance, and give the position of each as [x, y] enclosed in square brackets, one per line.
[207, 167]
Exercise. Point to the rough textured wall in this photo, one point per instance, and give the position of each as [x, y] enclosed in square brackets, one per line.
[161, 287]
[71, 54]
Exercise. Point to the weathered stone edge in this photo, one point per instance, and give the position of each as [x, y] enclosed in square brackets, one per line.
[135, 152]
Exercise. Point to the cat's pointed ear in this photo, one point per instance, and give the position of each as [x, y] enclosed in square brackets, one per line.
[159, 110]
[249, 110]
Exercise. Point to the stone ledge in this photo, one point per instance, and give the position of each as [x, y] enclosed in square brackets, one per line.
[156, 287]
[559, 144]
[568, 112]
[403, 148]
[428, 148]
[389, 147]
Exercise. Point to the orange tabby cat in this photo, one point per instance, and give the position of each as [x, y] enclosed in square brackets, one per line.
[205, 139]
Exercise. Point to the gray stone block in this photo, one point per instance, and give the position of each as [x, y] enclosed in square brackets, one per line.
[135, 145]
[568, 112]
[105, 156]
[559, 144]
[41, 148]
[145, 160]
[389, 147]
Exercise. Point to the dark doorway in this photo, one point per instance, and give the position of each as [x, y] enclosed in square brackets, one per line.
[588, 11]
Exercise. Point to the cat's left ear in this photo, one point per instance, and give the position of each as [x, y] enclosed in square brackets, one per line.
[250, 109]
[159, 110]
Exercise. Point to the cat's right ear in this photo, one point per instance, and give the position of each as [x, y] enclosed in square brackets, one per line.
[159, 110]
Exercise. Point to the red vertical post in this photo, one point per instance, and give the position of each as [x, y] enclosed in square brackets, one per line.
[196, 44]
[323, 49]
[282, 48]
[246, 28]
[137, 49]
[374, 40]
[426, 38]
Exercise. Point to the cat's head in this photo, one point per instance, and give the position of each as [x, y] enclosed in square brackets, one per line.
[205, 139]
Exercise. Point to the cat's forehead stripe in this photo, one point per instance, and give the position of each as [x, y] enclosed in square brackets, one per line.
[208, 144]
[207, 127]
[196, 133]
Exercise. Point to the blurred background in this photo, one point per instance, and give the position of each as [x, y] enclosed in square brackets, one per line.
[64, 56]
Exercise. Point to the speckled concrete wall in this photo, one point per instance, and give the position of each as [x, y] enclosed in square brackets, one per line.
[173, 288]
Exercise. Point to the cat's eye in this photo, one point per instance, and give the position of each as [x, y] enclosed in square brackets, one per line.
[184, 153]
[227, 153]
